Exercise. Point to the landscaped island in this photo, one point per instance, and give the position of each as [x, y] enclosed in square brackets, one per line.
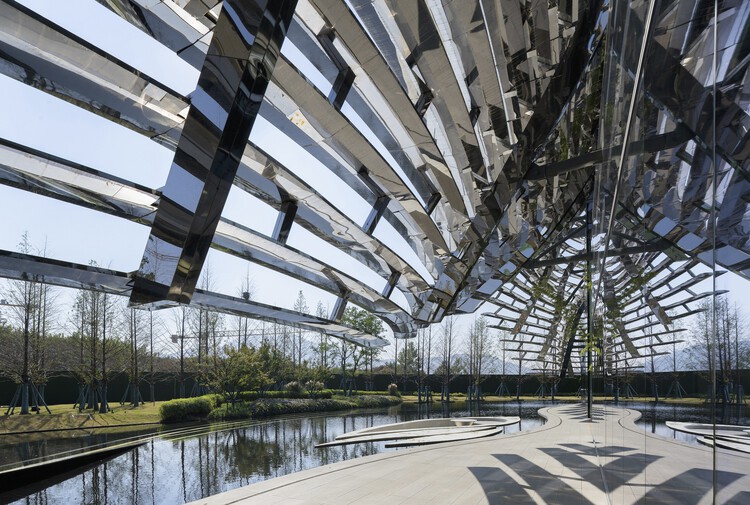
[214, 407]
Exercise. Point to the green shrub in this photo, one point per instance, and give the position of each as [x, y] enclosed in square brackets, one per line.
[186, 409]
[294, 387]
[372, 401]
[248, 396]
[314, 388]
[229, 412]
[279, 406]
[393, 390]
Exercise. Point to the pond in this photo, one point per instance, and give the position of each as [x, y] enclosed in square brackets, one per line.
[656, 414]
[174, 468]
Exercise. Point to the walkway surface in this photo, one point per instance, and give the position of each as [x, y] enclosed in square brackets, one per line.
[571, 459]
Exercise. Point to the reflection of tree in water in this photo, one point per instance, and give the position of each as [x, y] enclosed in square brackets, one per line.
[251, 452]
[178, 471]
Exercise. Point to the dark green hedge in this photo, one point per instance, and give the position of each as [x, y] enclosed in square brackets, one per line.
[248, 396]
[370, 393]
[372, 401]
[186, 409]
[266, 407]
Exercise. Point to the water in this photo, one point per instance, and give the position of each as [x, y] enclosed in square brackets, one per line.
[655, 415]
[180, 467]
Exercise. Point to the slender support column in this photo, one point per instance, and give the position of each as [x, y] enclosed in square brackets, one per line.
[589, 310]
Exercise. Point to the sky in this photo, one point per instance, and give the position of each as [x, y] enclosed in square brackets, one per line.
[71, 233]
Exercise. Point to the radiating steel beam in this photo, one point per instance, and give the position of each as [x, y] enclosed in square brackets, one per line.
[15, 265]
[570, 338]
[654, 144]
[240, 61]
[655, 246]
[48, 57]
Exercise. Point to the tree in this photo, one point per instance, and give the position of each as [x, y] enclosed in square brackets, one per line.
[247, 290]
[349, 355]
[324, 348]
[424, 345]
[135, 320]
[30, 302]
[100, 357]
[478, 345]
[180, 320]
[235, 371]
[445, 370]
[300, 305]
[273, 363]
[408, 359]
[723, 354]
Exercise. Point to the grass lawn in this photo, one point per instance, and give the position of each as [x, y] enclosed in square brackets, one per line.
[66, 417]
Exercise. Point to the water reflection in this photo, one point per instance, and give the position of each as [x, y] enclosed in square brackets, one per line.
[37, 447]
[656, 414]
[171, 471]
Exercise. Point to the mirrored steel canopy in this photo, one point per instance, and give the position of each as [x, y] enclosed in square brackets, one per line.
[526, 155]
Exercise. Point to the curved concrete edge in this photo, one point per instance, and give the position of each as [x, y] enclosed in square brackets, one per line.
[628, 422]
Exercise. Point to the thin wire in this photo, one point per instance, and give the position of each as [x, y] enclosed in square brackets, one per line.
[714, 169]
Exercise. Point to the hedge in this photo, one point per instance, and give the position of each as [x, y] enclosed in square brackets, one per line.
[215, 409]
[248, 396]
[277, 406]
[187, 409]
[369, 393]
[372, 401]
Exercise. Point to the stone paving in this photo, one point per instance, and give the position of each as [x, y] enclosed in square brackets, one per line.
[570, 460]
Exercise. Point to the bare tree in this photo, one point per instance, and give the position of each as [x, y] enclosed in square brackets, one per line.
[180, 317]
[135, 321]
[477, 346]
[324, 343]
[300, 305]
[424, 354]
[100, 355]
[31, 305]
[444, 371]
[247, 290]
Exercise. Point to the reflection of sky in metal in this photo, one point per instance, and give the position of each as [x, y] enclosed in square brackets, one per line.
[419, 160]
[106, 31]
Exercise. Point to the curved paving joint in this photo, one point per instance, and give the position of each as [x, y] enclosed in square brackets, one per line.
[607, 460]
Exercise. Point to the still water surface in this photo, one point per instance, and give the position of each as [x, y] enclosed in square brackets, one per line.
[173, 470]
[654, 415]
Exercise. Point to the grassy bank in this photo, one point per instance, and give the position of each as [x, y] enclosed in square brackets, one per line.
[64, 417]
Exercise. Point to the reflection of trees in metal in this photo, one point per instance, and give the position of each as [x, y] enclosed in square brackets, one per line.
[477, 132]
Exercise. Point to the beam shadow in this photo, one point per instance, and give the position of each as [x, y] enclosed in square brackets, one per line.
[528, 481]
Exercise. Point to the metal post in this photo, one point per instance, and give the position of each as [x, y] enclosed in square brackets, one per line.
[589, 322]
